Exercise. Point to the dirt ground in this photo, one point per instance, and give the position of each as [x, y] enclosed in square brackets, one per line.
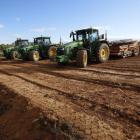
[41, 100]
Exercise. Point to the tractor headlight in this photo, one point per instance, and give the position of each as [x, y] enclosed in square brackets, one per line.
[60, 51]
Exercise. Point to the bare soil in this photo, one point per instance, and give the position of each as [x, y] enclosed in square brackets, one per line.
[41, 100]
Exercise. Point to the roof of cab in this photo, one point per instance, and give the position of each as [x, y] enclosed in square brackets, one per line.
[23, 39]
[43, 37]
[86, 29]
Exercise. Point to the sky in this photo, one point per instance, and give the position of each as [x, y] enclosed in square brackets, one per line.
[32, 18]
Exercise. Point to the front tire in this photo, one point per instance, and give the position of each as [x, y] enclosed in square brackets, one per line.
[34, 55]
[13, 54]
[102, 53]
[81, 58]
[52, 51]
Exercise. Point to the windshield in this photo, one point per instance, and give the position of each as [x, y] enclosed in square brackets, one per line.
[22, 43]
[47, 41]
[40, 40]
[87, 35]
[82, 35]
[93, 36]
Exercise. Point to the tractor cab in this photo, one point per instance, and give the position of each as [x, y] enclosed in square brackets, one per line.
[42, 40]
[88, 34]
[21, 43]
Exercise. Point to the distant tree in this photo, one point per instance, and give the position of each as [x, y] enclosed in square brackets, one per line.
[2, 46]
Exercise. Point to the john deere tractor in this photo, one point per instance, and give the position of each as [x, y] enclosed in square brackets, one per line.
[12, 51]
[42, 48]
[87, 45]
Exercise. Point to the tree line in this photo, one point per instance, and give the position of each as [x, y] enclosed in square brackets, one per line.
[2, 46]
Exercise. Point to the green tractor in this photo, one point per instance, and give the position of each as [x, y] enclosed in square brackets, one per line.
[87, 45]
[11, 52]
[42, 48]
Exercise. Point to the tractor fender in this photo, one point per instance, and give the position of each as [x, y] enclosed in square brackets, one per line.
[52, 45]
[102, 41]
[33, 49]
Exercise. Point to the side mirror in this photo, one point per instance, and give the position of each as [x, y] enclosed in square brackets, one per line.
[70, 34]
[101, 36]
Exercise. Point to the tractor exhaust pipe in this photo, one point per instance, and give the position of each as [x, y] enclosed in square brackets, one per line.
[106, 35]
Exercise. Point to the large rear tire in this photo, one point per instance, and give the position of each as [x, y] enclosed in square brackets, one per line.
[34, 55]
[102, 53]
[136, 52]
[81, 58]
[52, 51]
[13, 54]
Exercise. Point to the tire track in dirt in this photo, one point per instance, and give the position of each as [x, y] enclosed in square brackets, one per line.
[122, 83]
[118, 69]
[30, 72]
[88, 126]
[106, 107]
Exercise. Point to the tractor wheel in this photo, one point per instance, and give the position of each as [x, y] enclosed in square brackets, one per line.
[13, 54]
[81, 58]
[52, 51]
[34, 55]
[102, 53]
[62, 63]
[136, 51]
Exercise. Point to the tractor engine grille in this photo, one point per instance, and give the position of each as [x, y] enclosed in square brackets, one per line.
[5, 52]
[60, 51]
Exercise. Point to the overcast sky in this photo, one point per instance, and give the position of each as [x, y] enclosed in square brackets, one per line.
[32, 18]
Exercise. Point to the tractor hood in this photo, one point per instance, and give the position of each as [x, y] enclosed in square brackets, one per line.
[27, 47]
[71, 44]
[8, 48]
[66, 51]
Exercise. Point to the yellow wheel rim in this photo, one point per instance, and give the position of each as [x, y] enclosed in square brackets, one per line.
[85, 58]
[104, 53]
[16, 53]
[53, 52]
[36, 55]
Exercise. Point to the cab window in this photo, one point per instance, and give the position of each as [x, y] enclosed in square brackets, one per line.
[47, 41]
[93, 36]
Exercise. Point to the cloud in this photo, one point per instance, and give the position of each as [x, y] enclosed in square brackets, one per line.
[65, 40]
[124, 37]
[17, 36]
[17, 19]
[41, 30]
[2, 26]
[104, 27]
[5, 43]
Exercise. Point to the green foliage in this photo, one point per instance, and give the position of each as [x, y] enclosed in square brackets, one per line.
[2, 46]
